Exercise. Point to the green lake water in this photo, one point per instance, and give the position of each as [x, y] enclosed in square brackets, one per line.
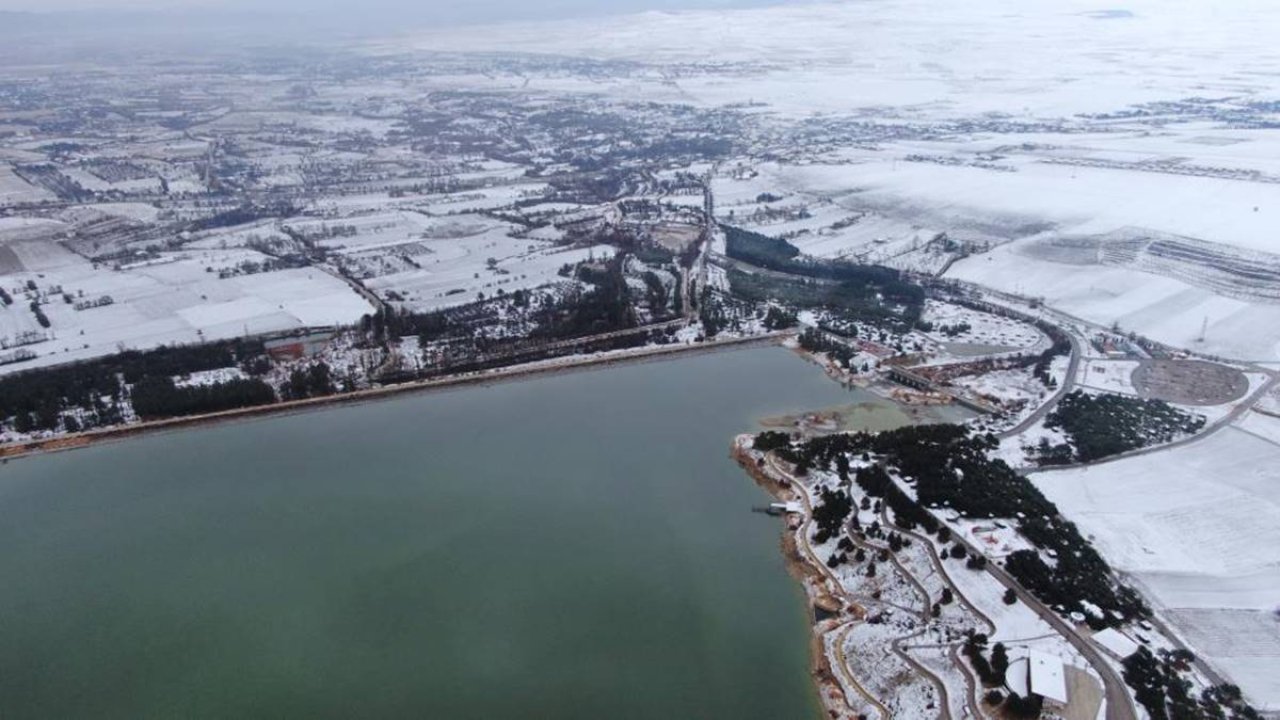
[569, 546]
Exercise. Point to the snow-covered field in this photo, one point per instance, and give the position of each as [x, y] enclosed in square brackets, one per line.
[14, 190]
[1057, 233]
[179, 300]
[1013, 388]
[458, 271]
[1162, 308]
[1197, 528]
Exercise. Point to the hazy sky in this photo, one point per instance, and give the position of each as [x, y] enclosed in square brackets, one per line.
[421, 8]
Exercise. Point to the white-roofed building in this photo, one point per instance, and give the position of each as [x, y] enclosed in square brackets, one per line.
[1047, 676]
[1038, 674]
[1116, 643]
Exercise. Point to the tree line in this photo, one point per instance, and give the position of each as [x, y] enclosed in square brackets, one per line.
[1162, 690]
[158, 397]
[38, 399]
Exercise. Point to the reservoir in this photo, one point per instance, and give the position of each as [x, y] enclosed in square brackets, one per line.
[571, 546]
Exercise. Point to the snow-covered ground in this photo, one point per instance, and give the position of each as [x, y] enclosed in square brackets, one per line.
[1113, 124]
[457, 272]
[211, 377]
[14, 190]
[839, 56]
[1197, 528]
[965, 332]
[1017, 450]
[1113, 376]
[179, 299]
[1162, 308]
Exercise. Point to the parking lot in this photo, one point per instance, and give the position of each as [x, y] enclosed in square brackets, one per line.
[1189, 382]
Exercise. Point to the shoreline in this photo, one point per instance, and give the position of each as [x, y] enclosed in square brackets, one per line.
[510, 373]
[810, 579]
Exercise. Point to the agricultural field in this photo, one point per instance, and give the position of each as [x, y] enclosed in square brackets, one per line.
[184, 297]
[15, 191]
[1196, 527]
[1160, 307]
[763, 198]
[454, 273]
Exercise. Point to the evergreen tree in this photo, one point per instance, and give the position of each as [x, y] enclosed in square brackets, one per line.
[999, 660]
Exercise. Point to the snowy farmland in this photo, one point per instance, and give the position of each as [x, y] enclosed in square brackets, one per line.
[1178, 261]
[461, 273]
[422, 262]
[1162, 308]
[1197, 528]
[821, 58]
[178, 299]
[14, 190]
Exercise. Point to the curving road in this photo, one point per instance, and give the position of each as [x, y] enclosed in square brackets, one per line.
[1068, 384]
[802, 493]
[1119, 701]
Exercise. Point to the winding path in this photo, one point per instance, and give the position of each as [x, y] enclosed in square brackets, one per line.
[838, 589]
[1119, 702]
[834, 584]
[1068, 384]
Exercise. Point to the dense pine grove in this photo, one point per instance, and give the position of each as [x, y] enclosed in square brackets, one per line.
[313, 381]
[35, 400]
[817, 341]
[604, 308]
[761, 250]
[830, 513]
[775, 318]
[871, 293]
[158, 397]
[1102, 425]
[770, 440]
